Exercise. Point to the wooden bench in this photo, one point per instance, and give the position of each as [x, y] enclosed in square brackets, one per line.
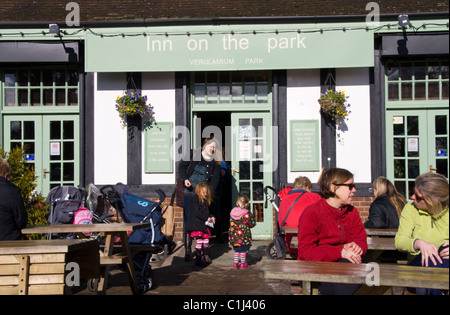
[312, 273]
[381, 232]
[107, 256]
[39, 267]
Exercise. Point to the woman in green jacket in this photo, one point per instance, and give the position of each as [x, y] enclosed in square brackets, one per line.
[424, 224]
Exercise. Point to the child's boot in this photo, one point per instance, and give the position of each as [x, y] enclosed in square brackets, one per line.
[206, 255]
[244, 265]
[198, 258]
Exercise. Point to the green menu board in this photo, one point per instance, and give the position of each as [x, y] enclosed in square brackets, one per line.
[158, 148]
[304, 145]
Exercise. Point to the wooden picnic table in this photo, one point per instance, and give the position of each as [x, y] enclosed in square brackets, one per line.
[107, 257]
[39, 266]
[312, 273]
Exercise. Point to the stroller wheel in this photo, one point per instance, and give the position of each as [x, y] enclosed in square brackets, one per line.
[92, 284]
[271, 251]
[146, 281]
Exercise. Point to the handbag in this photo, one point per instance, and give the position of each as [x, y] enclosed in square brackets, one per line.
[180, 192]
[180, 189]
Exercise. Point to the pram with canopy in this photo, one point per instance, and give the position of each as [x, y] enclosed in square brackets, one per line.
[147, 241]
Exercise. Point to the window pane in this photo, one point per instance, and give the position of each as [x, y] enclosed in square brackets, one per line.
[10, 97]
[433, 90]
[413, 168]
[393, 72]
[59, 77]
[419, 91]
[55, 130]
[73, 97]
[399, 168]
[23, 97]
[445, 90]
[16, 130]
[48, 97]
[35, 97]
[442, 167]
[10, 78]
[406, 91]
[393, 92]
[440, 124]
[413, 125]
[68, 130]
[60, 97]
[399, 147]
[433, 70]
[28, 127]
[35, 78]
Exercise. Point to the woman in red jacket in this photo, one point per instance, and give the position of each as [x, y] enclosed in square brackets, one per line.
[331, 228]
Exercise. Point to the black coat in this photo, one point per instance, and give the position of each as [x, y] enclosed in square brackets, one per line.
[13, 216]
[382, 214]
[198, 215]
[186, 168]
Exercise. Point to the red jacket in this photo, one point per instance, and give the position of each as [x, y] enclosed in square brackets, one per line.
[323, 230]
[307, 199]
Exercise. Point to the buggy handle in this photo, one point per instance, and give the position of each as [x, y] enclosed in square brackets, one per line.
[268, 197]
[161, 194]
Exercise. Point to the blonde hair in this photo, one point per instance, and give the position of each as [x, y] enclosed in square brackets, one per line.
[198, 191]
[385, 187]
[302, 182]
[434, 190]
[5, 169]
[243, 202]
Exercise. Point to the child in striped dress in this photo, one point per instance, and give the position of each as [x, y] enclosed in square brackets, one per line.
[240, 236]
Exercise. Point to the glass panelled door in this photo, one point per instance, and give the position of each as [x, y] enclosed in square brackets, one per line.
[252, 165]
[417, 142]
[61, 151]
[438, 141]
[50, 144]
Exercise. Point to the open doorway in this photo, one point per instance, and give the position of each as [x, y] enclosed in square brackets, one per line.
[215, 123]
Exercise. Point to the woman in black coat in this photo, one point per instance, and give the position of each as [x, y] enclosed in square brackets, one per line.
[202, 167]
[385, 210]
[13, 216]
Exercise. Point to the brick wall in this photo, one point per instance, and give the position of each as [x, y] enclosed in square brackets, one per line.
[360, 203]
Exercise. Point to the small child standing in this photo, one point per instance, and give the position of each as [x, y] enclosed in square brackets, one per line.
[197, 226]
[240, 236]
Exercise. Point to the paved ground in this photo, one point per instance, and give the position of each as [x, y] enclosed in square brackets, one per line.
[174, 276]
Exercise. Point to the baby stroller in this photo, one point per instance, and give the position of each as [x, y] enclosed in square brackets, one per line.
[278, 248]
[147, 241]
[64, 202]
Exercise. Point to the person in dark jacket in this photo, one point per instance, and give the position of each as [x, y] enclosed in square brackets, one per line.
[202, 167]
[385, 210]
[13, 216]
[199, 222]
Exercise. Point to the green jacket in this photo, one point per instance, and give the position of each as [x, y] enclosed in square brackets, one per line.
[419, 224]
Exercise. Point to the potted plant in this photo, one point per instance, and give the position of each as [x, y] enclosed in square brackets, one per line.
[133, 104]
[334, 105]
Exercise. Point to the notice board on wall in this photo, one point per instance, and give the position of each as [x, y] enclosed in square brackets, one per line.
[304, 145]
[158, 148]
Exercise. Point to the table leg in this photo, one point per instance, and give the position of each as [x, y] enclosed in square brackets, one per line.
[310, 288]
[129, 263]
[104, 275]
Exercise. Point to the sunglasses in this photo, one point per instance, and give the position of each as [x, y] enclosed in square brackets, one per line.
[418, 198]
[350, 186]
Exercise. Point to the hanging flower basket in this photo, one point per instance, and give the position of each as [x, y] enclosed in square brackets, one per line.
[133, 104]
[334, 105]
